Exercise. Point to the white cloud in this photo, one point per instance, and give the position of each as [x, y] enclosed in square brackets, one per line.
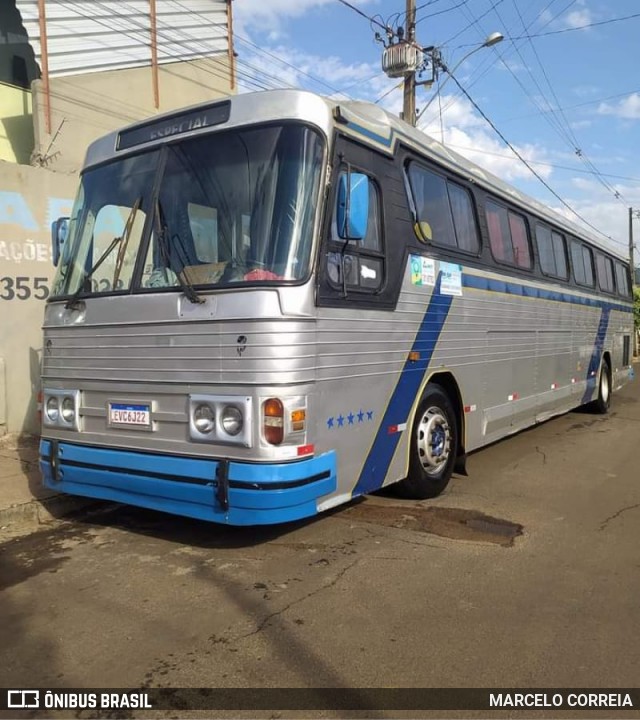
[578, 18]
[272, 14]
[579, 124]
[628, 108]
[584, 91]
[326, 74]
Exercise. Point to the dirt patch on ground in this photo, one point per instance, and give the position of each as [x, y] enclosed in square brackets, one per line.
[454, 523]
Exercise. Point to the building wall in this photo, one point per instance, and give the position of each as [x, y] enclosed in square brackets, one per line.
[30, 198]
[84, 107]
[16, 124]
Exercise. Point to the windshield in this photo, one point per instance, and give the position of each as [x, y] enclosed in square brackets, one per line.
[231, 207]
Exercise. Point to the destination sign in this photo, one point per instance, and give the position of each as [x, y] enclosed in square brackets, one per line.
[176, 124]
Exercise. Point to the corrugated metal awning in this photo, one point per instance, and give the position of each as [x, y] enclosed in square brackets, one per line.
[85, 36]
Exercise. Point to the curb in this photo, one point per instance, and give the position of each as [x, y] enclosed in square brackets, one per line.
[34, 515]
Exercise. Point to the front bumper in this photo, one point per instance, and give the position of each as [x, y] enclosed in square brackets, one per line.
[229, 492]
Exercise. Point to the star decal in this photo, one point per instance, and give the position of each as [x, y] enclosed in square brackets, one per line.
[369, 414]
[350, 418]
[360, 416]
[330, 423]
[340, 421]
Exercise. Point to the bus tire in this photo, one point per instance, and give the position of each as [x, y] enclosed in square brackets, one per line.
[433, 446]
[602, 403]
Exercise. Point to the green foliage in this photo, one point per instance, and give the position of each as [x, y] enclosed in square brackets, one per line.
[636, 306]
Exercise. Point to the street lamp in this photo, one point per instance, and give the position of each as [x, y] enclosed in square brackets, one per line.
[493, 39]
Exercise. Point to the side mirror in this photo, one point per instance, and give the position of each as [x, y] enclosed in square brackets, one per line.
[59, 232]
[353, 205]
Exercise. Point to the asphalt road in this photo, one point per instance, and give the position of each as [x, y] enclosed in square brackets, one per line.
[368, 595]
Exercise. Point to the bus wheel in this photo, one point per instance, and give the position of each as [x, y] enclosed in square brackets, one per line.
[603, 402]
[434, 443]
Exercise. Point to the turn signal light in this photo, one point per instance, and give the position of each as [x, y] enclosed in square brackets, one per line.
[298, 419]
[273, 421]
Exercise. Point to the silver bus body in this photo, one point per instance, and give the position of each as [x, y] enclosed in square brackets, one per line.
[349, 365]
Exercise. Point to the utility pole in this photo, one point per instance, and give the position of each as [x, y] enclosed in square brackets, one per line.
[633, 274]
[409, 100]
[633, 267]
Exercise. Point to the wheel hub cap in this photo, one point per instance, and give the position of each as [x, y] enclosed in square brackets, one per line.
[434, 440]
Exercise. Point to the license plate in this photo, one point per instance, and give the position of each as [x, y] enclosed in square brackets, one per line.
[129, 415]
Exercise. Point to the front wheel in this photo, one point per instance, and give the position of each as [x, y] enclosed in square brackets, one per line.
[434, 444]
[603, 402]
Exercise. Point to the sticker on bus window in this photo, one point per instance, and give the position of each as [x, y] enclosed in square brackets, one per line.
[423, 271]
[451, 282]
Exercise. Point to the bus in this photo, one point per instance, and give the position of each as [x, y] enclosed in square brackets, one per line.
[270, 304]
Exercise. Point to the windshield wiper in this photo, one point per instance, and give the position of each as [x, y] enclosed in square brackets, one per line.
[73, 300]
[126, 234]
[162, 230]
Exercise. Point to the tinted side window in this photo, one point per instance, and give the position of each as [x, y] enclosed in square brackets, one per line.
[587, 256]
[553, 252]
[520, 241]
[622, 280]
[582, 260]
[545, 250]
[605, 273]
[464, 218]
[578, 263]
[444, 210]
[363, 260]
[560, 254]
[431, 202]
[508, 236]
[499, 233]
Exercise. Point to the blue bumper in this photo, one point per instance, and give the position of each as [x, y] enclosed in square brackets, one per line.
[228, 492]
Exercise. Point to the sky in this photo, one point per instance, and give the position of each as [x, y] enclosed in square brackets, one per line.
[566, 96]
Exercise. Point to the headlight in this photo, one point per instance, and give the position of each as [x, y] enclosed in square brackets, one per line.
[53, 409]
[68, 409]
[203, 419]
[232, 420]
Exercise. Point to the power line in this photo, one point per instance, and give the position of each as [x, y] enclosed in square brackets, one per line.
[442, 12]
[364, 15]
[580, 27]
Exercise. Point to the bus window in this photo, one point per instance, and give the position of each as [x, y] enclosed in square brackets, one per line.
[498, 226]
[622, 280]
[508, 236]
[605, 273]
[560, 254]
[464, 219]
[520, 241]
[582, 259]
[363, 261]
[587, 256]
[552, 252]
[431, 202]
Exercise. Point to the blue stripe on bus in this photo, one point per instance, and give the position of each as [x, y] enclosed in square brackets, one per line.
[507, 288]
[411, 378]
[596, 355]
[370, 134]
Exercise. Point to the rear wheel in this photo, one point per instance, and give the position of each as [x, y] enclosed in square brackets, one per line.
[603, 402]
[434, 443]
